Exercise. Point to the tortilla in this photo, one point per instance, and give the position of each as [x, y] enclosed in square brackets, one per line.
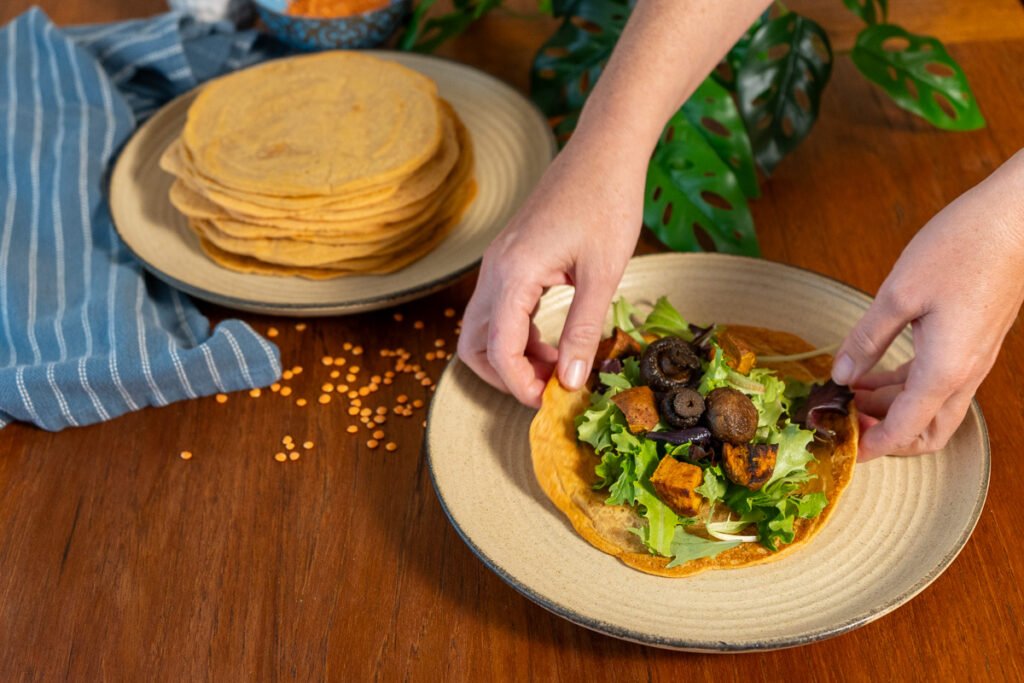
[564, 467]
[321, 124]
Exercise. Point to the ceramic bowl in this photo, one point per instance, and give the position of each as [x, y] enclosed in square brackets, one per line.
[364, 30]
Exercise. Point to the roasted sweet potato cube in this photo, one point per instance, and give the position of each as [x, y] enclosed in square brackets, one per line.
[675, 483]
[638, 405]
[749, 465]
[738, 355]
[616, 346]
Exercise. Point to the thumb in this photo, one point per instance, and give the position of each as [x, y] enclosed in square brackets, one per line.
[583, 327]
[870, 338]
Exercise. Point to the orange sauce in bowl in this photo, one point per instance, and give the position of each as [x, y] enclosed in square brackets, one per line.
[330, 9]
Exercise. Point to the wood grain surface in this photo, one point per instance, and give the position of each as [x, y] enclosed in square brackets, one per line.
[121, 561]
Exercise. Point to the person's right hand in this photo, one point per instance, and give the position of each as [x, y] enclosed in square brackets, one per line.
[579, 227]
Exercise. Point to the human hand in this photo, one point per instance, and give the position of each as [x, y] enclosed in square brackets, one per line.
[579, 227]
[959, 285]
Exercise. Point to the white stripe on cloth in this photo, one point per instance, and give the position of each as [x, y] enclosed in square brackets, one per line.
[84, 381]
[243, 366]
[12, 194]
[151, 58]
[147, 371]
[57, 207]
[25, 398]
[37, 150]
[61, 401]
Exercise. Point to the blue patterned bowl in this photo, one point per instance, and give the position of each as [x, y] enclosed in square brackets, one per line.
[368, 29]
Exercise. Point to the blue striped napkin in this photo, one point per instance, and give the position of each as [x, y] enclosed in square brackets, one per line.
[85, 335]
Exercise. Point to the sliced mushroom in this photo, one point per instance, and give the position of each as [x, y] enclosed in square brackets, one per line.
[681, 408]
[669, 363]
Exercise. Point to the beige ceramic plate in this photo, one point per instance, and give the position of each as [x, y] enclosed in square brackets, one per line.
[512, 144]
[901, 522]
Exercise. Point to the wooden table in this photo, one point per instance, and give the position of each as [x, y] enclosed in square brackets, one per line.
[120, 560]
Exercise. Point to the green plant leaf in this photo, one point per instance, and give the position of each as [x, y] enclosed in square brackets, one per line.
[713, 113]
[869, 11]
[779, 85]
[426, 35]
[725, 72]
[569, 63]
[919, 75]
[693, 200]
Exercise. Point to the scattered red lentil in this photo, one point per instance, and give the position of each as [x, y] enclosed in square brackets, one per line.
[186, 455]
[335, 374]
[357, 350]
[390, 446]
[398, 317]
[402, 398]
[353, 410]
[280, 457]
[418, 325]
[350, 378]
[372, 443]
[300, 327]
[438, 343]
[301, 402]
[347, 346]
[255, 393]
[287, 375]
[297, 370]
[307, 445]
[339, 361]
[327, 386]
[286, 391]
[327, 360]
[352, 429]
[221, 398]
[324, 398]
[417, 403]
[449, 312]
[379, 434]
[294, 455]
[272, 332]
[275, 387]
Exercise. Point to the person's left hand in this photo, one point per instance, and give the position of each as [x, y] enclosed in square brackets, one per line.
[959, 284]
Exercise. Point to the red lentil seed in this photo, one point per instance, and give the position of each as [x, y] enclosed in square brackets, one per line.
[186, 455]
[273, 332]
[255, 393]
[280, 457]
[418, 325]
[327, 386]
[301, 402]
[398, 317]
[382, 410]
[347, 346]
[379, 434]
[379, 419]
[221, 398]
[294, 455]
[286, 391]
[390, 446]
[324, 398]
[308, 445]
[287, 375]
[352, 429]
[449, 312]
[335, 374]
[353, 410]
[327, 360]
[402, 398]
[300, 327]
[350, 378]
[438, 343]
[339, 361]
[352, 394]
[372, 443]
[297, 370]
[418, 403]
[357, 351]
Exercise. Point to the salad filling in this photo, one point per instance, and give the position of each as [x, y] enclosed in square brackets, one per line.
[708, 449]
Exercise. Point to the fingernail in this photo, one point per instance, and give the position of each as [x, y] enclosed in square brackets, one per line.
[575, 374]
[842, 370]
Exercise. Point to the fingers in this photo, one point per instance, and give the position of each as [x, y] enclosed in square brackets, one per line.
[876, 402]
[876, 380]
[507, 337]
[934, 437]
[872, 335]
[584, 325]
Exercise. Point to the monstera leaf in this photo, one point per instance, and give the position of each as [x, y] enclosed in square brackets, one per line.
[713, 113]
[693, 201]
[779, 85]
[426, 35]
[570, 62]
[870, 11]
[919, 75]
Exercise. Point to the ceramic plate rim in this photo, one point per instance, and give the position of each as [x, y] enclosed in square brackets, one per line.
[335, 307]
[643, 638]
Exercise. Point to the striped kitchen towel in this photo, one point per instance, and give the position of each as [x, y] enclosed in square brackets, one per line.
[85, 335]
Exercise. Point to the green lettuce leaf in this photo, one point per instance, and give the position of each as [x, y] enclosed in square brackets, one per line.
[793, 455]
[664, 320]
[771, 405]
[811, 505]
[623, 313]
[716, 372]
[714, 485]
[615, 381]
[686, 547]
[594, 425]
